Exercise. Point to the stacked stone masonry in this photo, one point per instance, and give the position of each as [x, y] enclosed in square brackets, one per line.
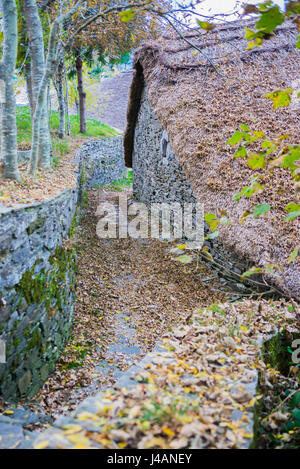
[37, 274]
[158, 177]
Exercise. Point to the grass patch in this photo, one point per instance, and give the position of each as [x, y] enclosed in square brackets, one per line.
[60, 147]
[119, 184]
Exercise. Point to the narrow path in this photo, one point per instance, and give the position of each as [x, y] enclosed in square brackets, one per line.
[129, 293]
[110, 98]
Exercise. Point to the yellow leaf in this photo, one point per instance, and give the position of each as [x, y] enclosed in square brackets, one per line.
[41, 445]
[168, 431]
[70, 429]
[86, 415]
[79, 439]
[155, 442]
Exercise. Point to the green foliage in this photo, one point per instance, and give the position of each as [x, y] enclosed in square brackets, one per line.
[294, 211]
[60, 146]
[294, 408]
[94, 127]
[211, 220]
[293, 255]
[240, 152]
[280, 98]
[252, 271]
[120, 184]
[127, 15]
[261, 209]
[184, 259]
[256, 161]
[248, 191]
[270, 18]
[290, 158]
[205, 25]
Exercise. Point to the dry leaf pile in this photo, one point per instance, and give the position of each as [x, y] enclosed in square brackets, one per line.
[192, 396]
[121, 284]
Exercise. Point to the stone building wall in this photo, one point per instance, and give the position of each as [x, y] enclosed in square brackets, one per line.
[158, 177]
[103, 161]
[37, 273]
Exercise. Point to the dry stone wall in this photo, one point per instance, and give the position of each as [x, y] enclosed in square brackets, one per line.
[158, 177]
[37, 274]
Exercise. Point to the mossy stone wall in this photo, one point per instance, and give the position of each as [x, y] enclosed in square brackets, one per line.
[37, 290]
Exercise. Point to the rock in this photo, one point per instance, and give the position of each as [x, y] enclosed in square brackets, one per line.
[24, 382]
[11, 436]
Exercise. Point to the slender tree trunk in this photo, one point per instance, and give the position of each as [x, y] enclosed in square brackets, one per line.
[37, 53]
[7, 69]
[27, 73]
[49, 111]
[48, 72]
[77, 105]
[67, 103]
[81, 93]
[61, 99]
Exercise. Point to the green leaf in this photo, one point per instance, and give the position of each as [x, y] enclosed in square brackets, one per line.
[298, 42]
[292, 207]
[252, 271]
[213, 235]
[245, 128]
[184, 259]
[241, 152]
[296, 414]
[205, 25]
[261, 209]
[292, 257]
[295, 402]
[236, 138]
[270, 19]
[211, 220]
[294, 211]
[256, 161]
[289, 159]
[127, 15]
[280, 98]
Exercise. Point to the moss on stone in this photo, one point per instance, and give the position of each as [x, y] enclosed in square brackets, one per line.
[46, 287]
[36, 339]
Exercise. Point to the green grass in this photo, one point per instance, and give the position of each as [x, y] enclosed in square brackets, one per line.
[119, 184]
[60, 146]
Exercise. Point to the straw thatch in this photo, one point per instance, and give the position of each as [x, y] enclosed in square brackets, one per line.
[201, 98]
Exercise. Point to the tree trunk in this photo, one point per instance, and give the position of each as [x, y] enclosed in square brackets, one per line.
[67, 103]
[37, 53]
[48, 72]
[81, 93]
[27, 73]
[7, 69]
[61, 99]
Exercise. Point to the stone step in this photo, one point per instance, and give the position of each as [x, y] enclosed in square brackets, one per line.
[11, 436]
[23, 417]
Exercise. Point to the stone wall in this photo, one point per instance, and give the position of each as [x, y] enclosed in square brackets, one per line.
[37, 273]
[103, 161]
[158, 177]
[36, 291]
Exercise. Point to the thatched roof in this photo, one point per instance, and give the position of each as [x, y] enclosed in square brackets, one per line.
[201, 98]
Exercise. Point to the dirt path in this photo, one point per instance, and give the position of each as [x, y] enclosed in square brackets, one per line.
[129, 293]
[111, 98]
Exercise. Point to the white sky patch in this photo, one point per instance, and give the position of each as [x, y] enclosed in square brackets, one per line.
[215, 7]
